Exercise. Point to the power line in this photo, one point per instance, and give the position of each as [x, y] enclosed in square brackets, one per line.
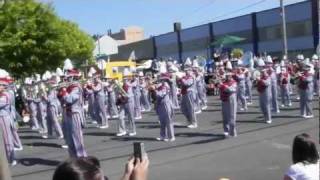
[231, 12]
[197, 10]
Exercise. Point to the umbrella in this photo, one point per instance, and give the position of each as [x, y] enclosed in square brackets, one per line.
[228, 40]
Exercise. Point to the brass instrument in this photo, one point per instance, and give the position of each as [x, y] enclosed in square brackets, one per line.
[123, 96]
[120, 89]
[43, 90]
[66, 84]
[31, 92]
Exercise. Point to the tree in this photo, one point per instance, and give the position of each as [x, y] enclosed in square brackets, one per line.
[34, 39]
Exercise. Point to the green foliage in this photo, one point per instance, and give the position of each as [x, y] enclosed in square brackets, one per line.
[34, 39]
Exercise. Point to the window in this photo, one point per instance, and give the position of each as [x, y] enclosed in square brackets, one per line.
[294, 29]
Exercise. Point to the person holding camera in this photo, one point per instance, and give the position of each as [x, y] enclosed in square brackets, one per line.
[89, 168]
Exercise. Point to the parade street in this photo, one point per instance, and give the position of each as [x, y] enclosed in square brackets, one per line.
[260, 151]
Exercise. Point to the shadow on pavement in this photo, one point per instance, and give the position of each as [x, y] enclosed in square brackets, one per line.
[197, 134]
[31, 137]
[253, 121]
[211, 110]
[179, 126]
[135, 138]
[38, 161]
[216, 138]
[258, 120]
[99, 134]
[285, 116]
[26, 131]
[145, 122]
[245, 112]
[149, 126]
[44, 144]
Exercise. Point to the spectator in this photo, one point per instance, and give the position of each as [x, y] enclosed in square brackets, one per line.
[305, 159]
[83, 168]
[88, 168]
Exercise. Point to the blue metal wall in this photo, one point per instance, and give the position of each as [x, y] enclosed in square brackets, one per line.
[195, 41]
[239, 26]
[262, 31]
[271, 19]
[167, 45]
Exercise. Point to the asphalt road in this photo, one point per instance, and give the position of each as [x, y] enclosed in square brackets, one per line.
[261, 151]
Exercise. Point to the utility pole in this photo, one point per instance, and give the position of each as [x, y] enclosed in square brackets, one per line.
[284, 29]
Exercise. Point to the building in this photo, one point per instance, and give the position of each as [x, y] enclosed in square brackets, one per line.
[262, 31]
[128, 35]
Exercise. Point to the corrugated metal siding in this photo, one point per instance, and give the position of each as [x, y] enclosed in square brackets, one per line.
[167, 45]
[232, 25]
[298, 12]
[299, 43]
[198, 32]
[202, 52]
[142, 49]
[166, 39]
[195, 40]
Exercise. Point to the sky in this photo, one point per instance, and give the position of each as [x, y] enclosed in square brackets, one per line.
[154, 16]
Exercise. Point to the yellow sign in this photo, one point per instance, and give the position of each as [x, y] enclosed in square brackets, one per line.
[115, 69]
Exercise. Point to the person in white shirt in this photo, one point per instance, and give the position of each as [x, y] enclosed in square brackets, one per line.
[305, 159]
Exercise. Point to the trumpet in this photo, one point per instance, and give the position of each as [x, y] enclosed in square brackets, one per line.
[66, 84]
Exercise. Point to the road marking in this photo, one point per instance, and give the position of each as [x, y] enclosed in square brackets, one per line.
[280, 145]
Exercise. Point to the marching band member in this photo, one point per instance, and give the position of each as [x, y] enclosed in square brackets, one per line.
[126, 103]
[200, 87]
[228, 89]
[112, 100]
[53, 109]
[264, 89]
[173, 94]
[89, 94]
[187, 99]
[145, 104]
[284, 80]
[204, 88]
[306, 91]
[14, 129]
[274, 85]
[151, 90]
[164, 110]
[105, 84]
[41, 105]
[100, 103]
[239, 76]
[197, 102]
[71, 99]
[248, 83]
[298, 67]
[88, 90]
[5, 121]
[290, 70]
[137, 96]
[33, 106]
[316, 78]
